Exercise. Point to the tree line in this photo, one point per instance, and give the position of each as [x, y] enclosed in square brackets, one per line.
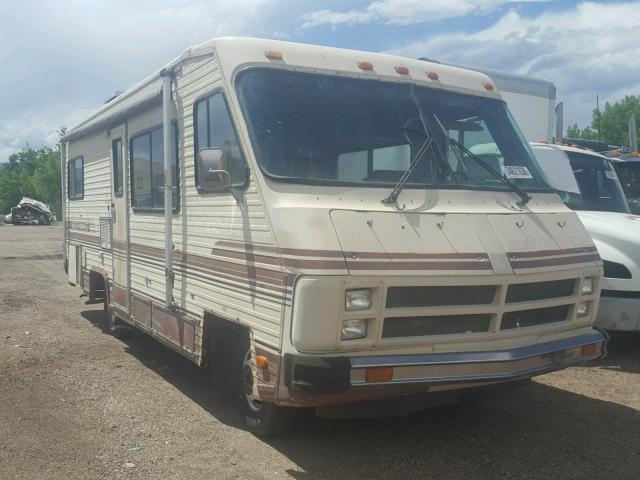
[34, 173]
[610, 125]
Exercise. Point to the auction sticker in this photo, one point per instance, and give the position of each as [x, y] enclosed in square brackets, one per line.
[516, 171]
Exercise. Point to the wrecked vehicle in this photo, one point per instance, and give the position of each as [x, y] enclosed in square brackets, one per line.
[31, 212]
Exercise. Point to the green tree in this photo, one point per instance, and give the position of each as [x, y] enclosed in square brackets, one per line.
[573, 131]
[613, 123]
[31, 173]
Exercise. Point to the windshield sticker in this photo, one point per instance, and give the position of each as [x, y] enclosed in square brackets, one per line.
[610, 174]
[516, 171]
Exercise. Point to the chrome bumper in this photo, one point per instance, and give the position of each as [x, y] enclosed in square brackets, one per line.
[474, 367]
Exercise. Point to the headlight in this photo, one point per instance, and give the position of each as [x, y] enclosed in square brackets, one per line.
[582, 310]
[352, 329]
[357, 299]
[587, 286]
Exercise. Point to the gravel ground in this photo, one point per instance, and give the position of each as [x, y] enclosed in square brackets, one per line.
[76, 403]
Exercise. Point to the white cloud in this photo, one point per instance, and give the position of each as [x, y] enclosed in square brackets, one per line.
[62, 58]
[402, 12]
[585, 50]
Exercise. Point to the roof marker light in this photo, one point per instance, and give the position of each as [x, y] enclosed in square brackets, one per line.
[365, 65]
[402, 70]
[488, 86]
[273, 55]
[574, 145]
[432, 75]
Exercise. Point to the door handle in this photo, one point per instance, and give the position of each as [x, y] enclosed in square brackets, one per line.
[113, 213]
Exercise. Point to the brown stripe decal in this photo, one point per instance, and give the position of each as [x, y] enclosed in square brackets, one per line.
[420, 265]
[550, 262]
[81, 237]
[550, 253]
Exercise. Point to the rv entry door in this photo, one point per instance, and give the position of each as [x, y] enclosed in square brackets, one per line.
[119, 288]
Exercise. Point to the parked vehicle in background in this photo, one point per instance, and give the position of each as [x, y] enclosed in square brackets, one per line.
[31, 212]
[588, 184]
[627, 166]
[311, 223]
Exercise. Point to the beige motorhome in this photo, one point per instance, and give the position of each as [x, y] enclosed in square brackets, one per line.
[312, 223]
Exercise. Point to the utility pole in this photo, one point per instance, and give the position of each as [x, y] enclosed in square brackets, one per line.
[598, 113]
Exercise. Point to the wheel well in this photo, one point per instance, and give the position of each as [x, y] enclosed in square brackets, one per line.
[97, 287]
[222, 335]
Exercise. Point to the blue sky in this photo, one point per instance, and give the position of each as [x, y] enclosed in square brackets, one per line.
[62, 59]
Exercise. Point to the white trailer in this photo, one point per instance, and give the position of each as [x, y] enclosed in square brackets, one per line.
[532, 102]
[311, 224]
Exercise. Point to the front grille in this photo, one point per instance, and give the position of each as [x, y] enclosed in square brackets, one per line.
[439, 296]
[528, 292]
[535, 317]
[437, 325]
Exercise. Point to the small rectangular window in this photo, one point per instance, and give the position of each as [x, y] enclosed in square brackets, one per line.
[116, 155]
[147, 170]
[75, 177]
[214, 129]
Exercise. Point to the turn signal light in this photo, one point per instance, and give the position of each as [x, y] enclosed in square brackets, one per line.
[273, 55]
[261, 361]
[378, 374]
[432, 75]
[589, 350]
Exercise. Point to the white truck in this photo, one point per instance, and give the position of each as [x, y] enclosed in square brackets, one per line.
[588, 184]
[309, 223]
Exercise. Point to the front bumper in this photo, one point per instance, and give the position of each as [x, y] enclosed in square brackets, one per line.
[618, 314]
[314, 381]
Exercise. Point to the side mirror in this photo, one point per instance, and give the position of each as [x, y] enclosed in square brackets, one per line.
[212, 176]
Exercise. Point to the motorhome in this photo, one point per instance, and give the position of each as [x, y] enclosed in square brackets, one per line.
[588, 184]
[309, 223]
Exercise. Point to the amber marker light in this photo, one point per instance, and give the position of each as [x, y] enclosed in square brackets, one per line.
[402, 70]
[365, 65]
[261, 361]
[488, 86]
[589, 350]
[615, 153]
[635, 154]
[273, 55]
[378, 374]
[433, 75]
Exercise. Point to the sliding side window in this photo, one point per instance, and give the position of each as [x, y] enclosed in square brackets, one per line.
[116, 155]
[75, 177]
[214, 129]
[147, 170]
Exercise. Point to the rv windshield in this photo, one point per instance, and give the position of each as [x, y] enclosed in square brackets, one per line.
[599, 187]
[323, 129]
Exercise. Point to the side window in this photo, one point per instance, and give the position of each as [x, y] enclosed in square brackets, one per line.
[214, 129]
[75, 176]
[147, 170]
[116, 155]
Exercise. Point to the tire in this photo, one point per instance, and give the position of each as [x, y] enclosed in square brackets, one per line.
[114, 326]
[264, 419]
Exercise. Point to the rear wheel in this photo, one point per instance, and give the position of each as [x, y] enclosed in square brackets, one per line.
[115, 326]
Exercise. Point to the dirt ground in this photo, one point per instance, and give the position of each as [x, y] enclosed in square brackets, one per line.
[76, 403]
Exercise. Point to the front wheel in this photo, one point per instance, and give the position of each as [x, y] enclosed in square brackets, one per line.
[264, 419]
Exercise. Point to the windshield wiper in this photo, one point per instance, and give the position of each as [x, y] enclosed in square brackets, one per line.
[429, 141]
[393, 196]
[524, 197]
